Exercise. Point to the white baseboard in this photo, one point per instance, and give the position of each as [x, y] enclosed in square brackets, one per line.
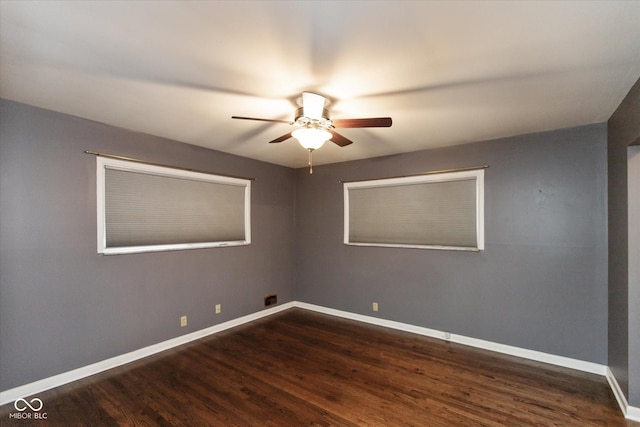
[633, 413]
[617, 391]
[630, 412]
[95, 368]
[538, 356]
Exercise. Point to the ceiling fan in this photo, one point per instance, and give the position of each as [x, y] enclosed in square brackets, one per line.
[315, 127]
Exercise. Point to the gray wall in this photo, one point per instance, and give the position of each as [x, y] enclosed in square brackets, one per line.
[63, 306]
[634, 275]
[540, 284]
[623, 129]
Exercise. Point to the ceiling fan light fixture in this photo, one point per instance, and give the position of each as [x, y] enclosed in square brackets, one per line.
[315, 126]
[311, 138]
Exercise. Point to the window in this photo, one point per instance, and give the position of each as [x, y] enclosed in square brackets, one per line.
[432, 211]
[144, 208]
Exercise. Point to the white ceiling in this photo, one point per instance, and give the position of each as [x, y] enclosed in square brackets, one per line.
[446, 72]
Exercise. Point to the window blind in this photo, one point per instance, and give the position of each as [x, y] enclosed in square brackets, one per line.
[150, 209]
[435, 213]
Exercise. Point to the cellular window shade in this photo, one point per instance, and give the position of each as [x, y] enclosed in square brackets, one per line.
[144, 209]
[423, 214]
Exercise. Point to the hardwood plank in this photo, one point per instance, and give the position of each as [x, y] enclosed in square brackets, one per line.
[303, 368]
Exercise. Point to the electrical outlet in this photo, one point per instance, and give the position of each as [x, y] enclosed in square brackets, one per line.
[183, 321]
[218, 308]
[375, 306]
[447, 336]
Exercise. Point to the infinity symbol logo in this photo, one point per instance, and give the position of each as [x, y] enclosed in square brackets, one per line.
[18, 404]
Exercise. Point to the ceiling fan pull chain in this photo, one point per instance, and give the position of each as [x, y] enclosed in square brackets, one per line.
[310, 162]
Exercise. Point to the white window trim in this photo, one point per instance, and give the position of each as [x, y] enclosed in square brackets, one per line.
[478, 174]
[104, 162]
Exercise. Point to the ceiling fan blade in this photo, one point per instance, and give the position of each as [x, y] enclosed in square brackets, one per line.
[373, 122]
[339, 139]
[281, 138]
[262, 120]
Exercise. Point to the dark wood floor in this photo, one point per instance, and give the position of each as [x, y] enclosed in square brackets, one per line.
[300, 368]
